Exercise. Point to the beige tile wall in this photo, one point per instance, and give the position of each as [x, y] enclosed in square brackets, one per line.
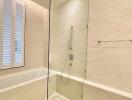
[36, 35]
[64, 14]
[34, 91]
[69, 88]
[93, 93]
[75, 90]
[110, 63]
[52, 85]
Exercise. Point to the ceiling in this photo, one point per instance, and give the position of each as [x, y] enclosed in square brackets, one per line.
[45, 3]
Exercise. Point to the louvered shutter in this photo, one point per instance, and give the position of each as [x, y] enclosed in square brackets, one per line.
[1, 18]
[19, 32]
[12, 22]
[7, 33]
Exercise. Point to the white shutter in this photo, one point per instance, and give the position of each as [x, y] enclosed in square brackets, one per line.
[1, 17]
[19, 32]
[12, 23]
[7, 36]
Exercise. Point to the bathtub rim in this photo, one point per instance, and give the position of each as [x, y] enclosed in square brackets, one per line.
[54, 73]
[40, 71]
[97, 85]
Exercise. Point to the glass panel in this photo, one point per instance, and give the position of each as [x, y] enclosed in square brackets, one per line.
[19, 33]
[68, 48]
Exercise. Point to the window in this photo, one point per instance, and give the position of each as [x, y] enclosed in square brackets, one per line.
[12, 24]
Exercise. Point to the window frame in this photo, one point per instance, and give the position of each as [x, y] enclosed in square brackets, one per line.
[13, 62]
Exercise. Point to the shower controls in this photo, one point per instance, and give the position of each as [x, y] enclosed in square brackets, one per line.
[70, 64]
[71, 57]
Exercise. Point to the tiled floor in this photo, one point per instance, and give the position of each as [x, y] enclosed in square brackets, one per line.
[57, 96]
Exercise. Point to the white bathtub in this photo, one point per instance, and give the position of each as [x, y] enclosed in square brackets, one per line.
[12, 81]
[99, 87]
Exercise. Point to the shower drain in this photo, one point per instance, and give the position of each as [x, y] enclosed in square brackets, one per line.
[57, 96]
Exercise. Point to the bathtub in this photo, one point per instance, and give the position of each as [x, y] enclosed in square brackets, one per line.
[12, 81]
[96, 91]
[15, 80]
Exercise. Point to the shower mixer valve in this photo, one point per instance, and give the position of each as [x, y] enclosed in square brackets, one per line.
[71, 57]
